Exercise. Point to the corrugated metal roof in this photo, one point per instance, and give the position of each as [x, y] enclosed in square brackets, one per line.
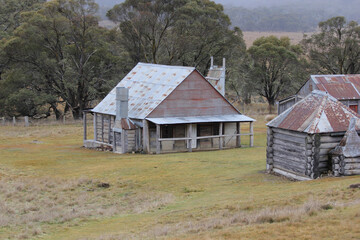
[149, 85]
[317, 113]
[339, 86]
[350, 144]
[202, 119]
[214, 74]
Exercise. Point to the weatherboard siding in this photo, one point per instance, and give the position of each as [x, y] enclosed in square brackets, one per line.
[193, 97]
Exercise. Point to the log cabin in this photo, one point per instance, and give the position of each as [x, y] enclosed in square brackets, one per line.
[160, 109]
[299, 140]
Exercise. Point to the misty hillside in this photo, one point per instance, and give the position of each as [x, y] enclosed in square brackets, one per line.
[276, 15]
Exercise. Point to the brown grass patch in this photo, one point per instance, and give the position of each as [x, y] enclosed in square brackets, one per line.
[32, 202]
[231, 216]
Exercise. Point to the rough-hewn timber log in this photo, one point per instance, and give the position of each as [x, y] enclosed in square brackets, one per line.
[298, 160]
[351, 160]
[350, 166]
[351, 172]
[290, 133]
[329, 139]
[289, 165]
[291, 149]
[284, 142]
[328, 145]
[289, 138]
[290, 175]
[316, 140]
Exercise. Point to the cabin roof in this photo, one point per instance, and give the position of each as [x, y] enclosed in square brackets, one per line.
[149, 85]
[341, 87]
[202, 119]
[317, 113]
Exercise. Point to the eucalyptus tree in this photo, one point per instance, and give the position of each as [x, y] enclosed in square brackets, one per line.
[276, 67]
[336, 48]
[176, 32]
[64, 54]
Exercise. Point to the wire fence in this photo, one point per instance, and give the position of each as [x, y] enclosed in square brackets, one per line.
[25, 121]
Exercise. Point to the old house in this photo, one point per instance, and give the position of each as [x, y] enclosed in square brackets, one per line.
[299, 140]
[159, 108]
[345, 88]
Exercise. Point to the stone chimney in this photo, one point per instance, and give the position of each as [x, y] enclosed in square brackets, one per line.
[122, 105]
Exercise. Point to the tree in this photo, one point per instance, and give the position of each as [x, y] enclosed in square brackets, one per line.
[10, 13]
[276, 67]
[176, 32]
[336, 49]
[64, 53]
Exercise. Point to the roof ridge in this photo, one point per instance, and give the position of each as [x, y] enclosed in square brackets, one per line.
[319, 113]
[163, 65]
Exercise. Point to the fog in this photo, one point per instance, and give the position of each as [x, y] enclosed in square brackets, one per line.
[276, 15]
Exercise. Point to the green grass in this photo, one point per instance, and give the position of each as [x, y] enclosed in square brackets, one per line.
[217, 194]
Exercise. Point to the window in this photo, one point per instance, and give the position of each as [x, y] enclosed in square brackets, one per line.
[167, 131]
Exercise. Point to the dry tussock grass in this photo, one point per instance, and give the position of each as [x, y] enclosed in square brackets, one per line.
[32, 202]
[231, 216]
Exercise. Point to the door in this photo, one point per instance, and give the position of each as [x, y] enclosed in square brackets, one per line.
[192, 135]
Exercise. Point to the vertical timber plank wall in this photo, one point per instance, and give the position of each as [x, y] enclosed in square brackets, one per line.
[269, 150]
[103, 128]
[195, 96]
[146, 136]
[131, 140]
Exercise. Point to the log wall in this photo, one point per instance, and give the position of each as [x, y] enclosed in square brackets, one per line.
[327, 143]
[300, 153]
[287, 150]
[343, 166]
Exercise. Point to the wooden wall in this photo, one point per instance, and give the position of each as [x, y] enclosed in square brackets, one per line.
[327, 143]
[287, 150]
[300, 153]
[104, 126]
[286, 104]
[195, 96]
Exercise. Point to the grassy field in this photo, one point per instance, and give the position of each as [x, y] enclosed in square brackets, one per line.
[295, 37]
[52, 188]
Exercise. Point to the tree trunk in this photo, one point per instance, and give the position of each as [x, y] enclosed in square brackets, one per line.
[271, 102]
[56, 111]
[77, 113]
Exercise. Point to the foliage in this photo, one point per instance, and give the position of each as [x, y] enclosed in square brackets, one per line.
[10, 13]
[176, 32]
[276, 67]
[64, 53]
[336, 48]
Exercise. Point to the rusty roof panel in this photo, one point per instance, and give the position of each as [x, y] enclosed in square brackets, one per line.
[341, 87]
[149, 85]
[317, 113]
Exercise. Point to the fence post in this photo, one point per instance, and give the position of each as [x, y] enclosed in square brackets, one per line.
[3, 121]
[64, 120]
[14, 121]
[26, 121]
